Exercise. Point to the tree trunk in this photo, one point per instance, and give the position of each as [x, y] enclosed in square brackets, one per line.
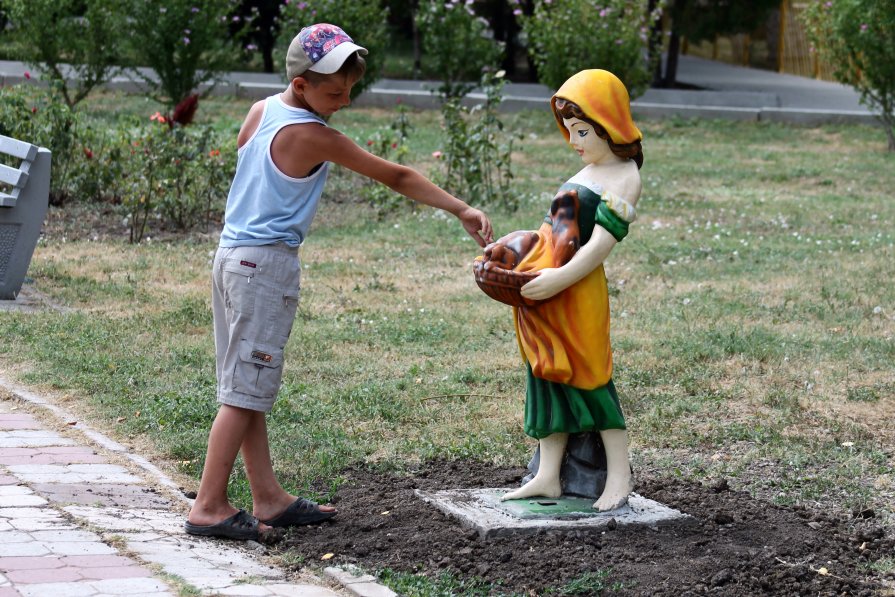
[674, 48]
[417, 51]
[654, 48]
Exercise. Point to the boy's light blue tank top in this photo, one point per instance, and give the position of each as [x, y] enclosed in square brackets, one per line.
[265, 206]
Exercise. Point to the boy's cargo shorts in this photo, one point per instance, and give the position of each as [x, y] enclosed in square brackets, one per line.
[254, 297]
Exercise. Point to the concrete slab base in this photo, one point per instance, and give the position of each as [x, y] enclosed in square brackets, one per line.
[482, 510]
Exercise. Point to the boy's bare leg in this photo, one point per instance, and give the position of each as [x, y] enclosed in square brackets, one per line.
[618, 471]
[227, 432]
[269, 499]
[546, 481]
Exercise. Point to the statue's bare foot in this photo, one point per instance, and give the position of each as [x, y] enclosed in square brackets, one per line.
[615, 495]
[536, 488]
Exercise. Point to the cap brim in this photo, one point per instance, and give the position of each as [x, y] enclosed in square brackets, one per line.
[336, 57]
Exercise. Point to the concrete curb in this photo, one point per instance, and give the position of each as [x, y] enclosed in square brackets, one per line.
[740, 95]
[155, 538]
[358, 583]
[95, 436]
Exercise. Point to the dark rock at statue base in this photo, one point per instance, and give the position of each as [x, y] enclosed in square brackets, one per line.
[583, 470]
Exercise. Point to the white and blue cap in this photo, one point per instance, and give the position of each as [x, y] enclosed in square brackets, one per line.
[320, 48]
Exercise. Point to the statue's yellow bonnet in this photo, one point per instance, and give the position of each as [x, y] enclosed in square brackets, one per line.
[604, 99]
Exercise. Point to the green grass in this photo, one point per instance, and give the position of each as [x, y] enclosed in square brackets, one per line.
[590, 583]
[753, 328]
[443, 585]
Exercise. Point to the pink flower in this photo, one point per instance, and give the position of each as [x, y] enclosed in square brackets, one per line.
[864, 26]
[27, 75]
[517, 12]
[437, 155]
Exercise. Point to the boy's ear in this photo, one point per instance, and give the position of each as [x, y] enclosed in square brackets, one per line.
[299, 84]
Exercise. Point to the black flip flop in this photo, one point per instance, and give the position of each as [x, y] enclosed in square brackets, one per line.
[300, 512]
[241, 526]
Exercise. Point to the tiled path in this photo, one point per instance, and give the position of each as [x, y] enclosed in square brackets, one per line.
[75, 522]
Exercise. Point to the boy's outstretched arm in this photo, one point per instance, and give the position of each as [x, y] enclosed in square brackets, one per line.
[338, 148]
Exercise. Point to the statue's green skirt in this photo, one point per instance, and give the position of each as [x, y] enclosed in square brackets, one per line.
[552, 407]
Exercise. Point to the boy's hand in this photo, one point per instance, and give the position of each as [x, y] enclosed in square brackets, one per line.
[477, 224]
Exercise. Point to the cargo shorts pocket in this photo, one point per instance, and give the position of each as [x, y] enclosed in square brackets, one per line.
[259, 370]
[240, 287]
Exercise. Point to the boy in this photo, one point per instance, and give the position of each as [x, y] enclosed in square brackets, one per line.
[284, 147]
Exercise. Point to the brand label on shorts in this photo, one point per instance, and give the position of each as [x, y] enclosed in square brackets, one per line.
[248, 264]
[261, 356]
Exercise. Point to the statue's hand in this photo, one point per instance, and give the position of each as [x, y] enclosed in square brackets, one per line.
[550, 282]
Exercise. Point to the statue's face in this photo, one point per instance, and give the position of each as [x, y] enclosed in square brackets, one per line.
[586, 142]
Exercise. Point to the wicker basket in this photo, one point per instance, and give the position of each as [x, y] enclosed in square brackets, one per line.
[502, 284]
[495, 271]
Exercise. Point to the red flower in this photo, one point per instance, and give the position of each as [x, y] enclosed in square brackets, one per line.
[88, 154]
[214, 153]
[34, 110]
[158, 116]
[27, 75]
[394, 145]
[370, 142]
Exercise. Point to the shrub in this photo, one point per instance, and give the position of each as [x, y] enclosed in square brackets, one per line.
[159, 171]
[73, 44]
[567, 36]
[174, 174]
[32, 114]
[456, 44]
[390, 143]
[187, 43]
[364, 20]
[475, 163]
[858, 38]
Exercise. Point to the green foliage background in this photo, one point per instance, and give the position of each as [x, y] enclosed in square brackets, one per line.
[858, 38]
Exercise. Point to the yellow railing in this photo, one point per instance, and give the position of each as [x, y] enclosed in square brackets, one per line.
[781, 44]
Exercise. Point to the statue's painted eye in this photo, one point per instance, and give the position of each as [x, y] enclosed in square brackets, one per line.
[582, 133]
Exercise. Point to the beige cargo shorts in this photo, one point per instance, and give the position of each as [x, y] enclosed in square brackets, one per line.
[254, 298]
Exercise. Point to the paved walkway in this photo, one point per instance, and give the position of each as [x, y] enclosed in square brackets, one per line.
[81, 516]
[725, 92]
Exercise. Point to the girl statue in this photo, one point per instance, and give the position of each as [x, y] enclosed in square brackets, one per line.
[562, 325]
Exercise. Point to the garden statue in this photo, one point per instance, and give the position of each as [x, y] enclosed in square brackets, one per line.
[555, 281]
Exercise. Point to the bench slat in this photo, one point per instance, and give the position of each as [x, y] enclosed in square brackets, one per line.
[19, 149]
[13, 176]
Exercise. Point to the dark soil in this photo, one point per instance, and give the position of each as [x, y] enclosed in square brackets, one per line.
[733, 545]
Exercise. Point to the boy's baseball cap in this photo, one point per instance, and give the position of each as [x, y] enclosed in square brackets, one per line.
[321, 48]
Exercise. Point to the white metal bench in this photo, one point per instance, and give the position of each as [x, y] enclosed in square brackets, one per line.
[24, 197]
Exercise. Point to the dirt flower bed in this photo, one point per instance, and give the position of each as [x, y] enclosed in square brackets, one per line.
[732, 544]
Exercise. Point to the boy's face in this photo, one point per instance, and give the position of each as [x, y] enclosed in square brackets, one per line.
[329, 95]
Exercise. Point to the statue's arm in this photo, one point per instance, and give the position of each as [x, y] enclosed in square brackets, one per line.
[617, 214]
[552, 281]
